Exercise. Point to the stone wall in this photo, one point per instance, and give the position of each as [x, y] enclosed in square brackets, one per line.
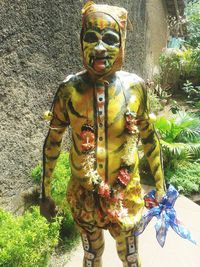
[39, 47]
[156, 34]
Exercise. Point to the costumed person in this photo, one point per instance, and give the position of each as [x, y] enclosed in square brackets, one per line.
[108, 111]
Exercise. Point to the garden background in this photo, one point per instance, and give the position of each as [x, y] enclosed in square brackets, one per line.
[40, 46]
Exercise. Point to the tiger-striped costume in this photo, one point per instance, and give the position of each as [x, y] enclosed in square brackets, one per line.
[101, 103]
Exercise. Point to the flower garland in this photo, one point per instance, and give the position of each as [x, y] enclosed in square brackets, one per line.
[111, 194]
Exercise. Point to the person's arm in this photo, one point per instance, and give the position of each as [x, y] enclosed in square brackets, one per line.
[151, 144]
[52, 148]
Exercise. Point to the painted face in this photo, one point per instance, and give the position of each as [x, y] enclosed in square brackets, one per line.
[101, 43]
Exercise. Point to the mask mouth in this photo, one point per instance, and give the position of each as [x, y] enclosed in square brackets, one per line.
[99, 57]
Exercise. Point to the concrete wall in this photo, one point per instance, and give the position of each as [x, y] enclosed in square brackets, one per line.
[39, 47]
[156, 34]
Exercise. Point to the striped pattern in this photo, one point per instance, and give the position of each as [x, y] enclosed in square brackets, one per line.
[93, 245]
[100, 22]
[80, 105]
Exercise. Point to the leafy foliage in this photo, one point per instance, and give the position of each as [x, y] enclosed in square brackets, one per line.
[180, 137]
[178, 66]
[170, 62]
[192, 13]
[27, 240]
[193, 92]
[154, 102]
[60, 179]
[185, 177]
[177, 127]
[36, 174]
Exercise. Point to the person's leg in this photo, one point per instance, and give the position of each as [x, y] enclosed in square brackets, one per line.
[93, 245]
[127, 247]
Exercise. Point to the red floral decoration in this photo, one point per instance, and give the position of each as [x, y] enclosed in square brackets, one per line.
[117, 197]
[131, 123]
[113, 214]
[124, 176]
[104, 190]
[88, 137]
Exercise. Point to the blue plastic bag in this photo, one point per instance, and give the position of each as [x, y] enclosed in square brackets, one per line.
[166, 216]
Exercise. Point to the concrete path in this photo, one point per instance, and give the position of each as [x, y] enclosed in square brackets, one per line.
[177, 252]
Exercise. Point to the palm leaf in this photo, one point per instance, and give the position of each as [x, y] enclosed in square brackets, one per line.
[189, 135]
[194, 150]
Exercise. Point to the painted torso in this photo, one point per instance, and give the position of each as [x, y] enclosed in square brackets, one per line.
[102, 105]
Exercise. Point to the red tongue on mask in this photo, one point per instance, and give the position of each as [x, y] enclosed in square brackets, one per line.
[99, 64]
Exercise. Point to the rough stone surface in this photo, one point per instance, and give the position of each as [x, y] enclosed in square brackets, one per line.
[39, 47]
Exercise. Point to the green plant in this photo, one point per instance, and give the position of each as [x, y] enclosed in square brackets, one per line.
[154, 102]
[192, 92]
[185, 177]
[27, 240]
[60, 179]
[170, 62]
[192, 13]
[174, 107]
[162, 92]
[158, 95]
[36, 174]
[180, 136]
[178, 66]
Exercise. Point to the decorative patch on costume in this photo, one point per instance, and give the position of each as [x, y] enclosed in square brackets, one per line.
[88, 263]
[131, 244]
[132, 257]
[85, 242]
[134, 265]
[88, 137]
[89, 255]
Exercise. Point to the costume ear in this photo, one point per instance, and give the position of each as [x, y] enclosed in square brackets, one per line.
[130, 25]
[122, 24]
[88, 3]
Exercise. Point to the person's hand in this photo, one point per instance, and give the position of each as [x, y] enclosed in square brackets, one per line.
[48, 208]
[153, 201]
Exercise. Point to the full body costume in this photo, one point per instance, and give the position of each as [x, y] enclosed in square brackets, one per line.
[108, 112]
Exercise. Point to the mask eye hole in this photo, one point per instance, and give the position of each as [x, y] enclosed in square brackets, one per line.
[110, 39]
[90, 37]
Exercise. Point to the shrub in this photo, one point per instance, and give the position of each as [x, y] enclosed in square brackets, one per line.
[170, 63]
[192, 13]
[27, 240]
[154, 102]
[178, 66]
[179, 137]
[60, 179]
[36, 174]
[185, 177]
[193, 92]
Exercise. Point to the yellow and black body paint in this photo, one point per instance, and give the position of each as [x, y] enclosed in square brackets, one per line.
[99, 99]
[81, 101]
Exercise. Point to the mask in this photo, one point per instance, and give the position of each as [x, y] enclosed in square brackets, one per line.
[101, 43]
[103, 38]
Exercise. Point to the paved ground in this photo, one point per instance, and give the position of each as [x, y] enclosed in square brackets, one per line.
[177, 252]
